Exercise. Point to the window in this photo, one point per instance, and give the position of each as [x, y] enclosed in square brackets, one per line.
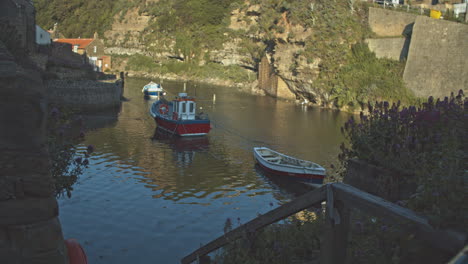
[184, 108]
[75, 48]
[191, 110]
[95, 49]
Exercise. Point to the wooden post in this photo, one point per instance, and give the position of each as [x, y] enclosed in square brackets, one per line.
[333, 245]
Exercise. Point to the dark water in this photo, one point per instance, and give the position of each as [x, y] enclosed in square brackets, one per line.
[150, 198]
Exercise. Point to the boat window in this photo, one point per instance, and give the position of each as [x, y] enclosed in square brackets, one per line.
[184, 109]
[191, 107]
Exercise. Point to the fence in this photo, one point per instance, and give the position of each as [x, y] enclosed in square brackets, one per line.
[340, 199]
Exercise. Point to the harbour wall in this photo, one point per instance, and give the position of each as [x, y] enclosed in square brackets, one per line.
[391, 48]
[389, 23]
[85, 95]
[438, 58]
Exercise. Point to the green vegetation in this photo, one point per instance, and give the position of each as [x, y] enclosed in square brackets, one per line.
[349, 75]
[196, 25]
[294, 241]
[208, 71]
[80, 18]
[365, 78]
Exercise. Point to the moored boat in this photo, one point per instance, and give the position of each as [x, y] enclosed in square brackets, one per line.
[281, 164]
[179, 116]
[153, 90]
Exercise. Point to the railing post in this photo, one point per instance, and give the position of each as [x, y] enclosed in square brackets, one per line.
[333, 245]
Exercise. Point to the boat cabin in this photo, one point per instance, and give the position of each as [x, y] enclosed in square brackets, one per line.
[184, 107]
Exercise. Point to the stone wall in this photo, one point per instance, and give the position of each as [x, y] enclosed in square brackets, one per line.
[283, 90]
[30, 231]
[267, 80]
[85, 95]
[437, 59]
[271, 83]
[391, 48]
[389, 23]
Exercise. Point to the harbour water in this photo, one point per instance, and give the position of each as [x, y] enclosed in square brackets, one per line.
[147, 197]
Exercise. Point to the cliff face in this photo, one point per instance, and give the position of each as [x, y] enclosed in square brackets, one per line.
[287, 46]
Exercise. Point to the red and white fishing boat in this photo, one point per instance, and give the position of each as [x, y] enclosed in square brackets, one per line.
[280, 164]
[178, 116]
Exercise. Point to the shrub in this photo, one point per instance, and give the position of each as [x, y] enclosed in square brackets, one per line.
[426, 142]
[65, 130]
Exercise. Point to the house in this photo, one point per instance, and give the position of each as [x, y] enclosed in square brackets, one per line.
[42, 36]
[22, 15]
[93, 48]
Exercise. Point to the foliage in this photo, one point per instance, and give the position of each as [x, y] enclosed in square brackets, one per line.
[208, 71]
[428, 143]
[365, 78]
[294, 241]
[80, 18]
[195, 25]
[380, 240]
[67, 162]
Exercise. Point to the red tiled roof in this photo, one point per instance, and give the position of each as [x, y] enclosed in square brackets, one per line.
[82, 43]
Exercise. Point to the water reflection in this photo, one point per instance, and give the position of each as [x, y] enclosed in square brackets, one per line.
[184, 148]
[283, 184]
[152, 194]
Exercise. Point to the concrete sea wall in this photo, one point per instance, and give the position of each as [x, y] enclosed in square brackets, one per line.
[438, 58]
[389, 23]
[85, 95]
[391, 48]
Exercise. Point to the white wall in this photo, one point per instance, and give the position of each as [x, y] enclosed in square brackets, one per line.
[42, 36]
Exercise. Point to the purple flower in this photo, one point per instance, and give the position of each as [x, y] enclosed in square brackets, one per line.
[271, 204]
[79, 159]
[404, 113]
[360, 226]
[55, 112]
[90, 149]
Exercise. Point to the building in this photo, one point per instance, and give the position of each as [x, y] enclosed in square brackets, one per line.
[93, 48]
[42, 36]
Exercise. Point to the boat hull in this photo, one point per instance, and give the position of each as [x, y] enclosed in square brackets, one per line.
[309, 178]
[184, 127]
[152, 94]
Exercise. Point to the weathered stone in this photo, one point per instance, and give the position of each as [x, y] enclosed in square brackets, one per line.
[85, 95]
[25, 162]
[437, 59]
[35, 238]
[27, 211]
[10, 256]
[390, 48]
[389, 23]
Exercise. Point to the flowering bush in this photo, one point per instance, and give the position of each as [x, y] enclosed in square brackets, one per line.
[428, 143]
[64, 132]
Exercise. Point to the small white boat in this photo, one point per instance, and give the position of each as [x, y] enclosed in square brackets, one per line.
[153, 90]
[280, 164]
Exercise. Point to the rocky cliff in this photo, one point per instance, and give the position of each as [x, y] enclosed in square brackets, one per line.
[306, 47]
